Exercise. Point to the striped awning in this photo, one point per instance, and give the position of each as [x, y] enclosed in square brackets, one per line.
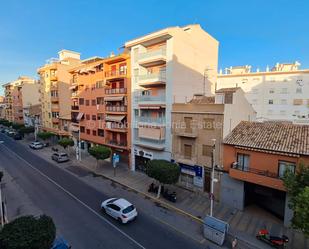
[79, 116]
[114, 118]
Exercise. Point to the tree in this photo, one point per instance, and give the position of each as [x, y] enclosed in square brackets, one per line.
[163, 171]
[28, 232]
[6, 123]
[45, 135]
[26, 130]
[17, 126]
[297, 186]
[65, 142]
[100, 152]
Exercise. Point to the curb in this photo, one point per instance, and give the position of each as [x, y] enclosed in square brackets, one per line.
[163, 203]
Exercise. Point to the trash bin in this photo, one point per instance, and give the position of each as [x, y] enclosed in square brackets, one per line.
[215, 230]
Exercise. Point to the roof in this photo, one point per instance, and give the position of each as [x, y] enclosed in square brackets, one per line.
[122, 203]
[282, 137]
[201, 99]
[228, 89]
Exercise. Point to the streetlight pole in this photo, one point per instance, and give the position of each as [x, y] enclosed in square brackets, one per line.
[212, 177]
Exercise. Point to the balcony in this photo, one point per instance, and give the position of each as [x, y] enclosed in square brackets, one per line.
[55, 120]
[189, 133]
[115, 143]
[151, 120]
[74, 107]
[261, 177]
[53, 78]
[152, 79]
[115, 74]
[117, 127]
[116, 91]
[115, 108]
[150, 143]
[151, 99]
[153, 57]
[54, 99]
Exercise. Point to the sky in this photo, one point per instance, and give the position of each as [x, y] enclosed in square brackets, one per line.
[258, 33]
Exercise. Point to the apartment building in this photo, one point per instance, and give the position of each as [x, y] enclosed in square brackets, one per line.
[32, 115]
[2, 107]
[256, 155]
[100, 103]
[279, 93]
[17, 93]
[196, 124]
[167, 66]
[55, 90]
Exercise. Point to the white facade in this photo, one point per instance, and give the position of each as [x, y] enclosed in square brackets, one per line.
[168, 66]
[281, 93]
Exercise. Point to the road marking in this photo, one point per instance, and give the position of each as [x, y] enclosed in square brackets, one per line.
[78, 200]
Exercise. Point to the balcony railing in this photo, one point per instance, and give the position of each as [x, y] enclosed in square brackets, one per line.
[75, 107]
[156, 98]
[153, 77]
[117, 143]
[116, 91]
[255, 171]
[156, 120]
[115, 73]
[116, 108]
[152, 53]
[116, 126]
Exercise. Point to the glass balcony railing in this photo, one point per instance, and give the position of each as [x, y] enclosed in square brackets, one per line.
[152, 53]
[156, 120]
[152, 77]
[155, 98]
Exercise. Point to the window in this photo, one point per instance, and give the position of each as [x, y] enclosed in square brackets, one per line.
[94, 133]
[87, 117]
[93, 102]
[55, 114]
[100, 116]
[284, 166]
[271, 90]
[187, 151]
[82, 129]
[207, 150]
[228, 98]
[271, 102]
[243, 162]
[99, 84]
[100, 101]
[94, 117]
[188, 124]
[100, 132]
[88, 131]
[299, 90]
[87, 102]
[209, 123]
[114, 207]
[81, 101]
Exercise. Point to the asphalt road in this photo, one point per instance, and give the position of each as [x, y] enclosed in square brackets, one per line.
[75, 206]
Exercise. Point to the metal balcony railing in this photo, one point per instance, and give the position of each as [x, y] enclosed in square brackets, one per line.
[116, 91]
[255, 171]
[117, 143]
[116, 108]
[116, 73]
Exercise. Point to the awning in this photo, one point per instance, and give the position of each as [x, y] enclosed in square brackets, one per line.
[156, 107]
[79, 116]
[114, 118]
[113, 98]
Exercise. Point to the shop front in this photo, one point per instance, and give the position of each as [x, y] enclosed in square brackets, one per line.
[191, 177]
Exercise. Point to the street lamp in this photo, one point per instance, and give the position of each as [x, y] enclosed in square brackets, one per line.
[213, 180]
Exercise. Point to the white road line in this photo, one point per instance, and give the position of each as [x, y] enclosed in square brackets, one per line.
[78, 200]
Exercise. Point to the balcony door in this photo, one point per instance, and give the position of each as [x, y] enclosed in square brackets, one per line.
[243, 161]
[188, 124]
[187, 151]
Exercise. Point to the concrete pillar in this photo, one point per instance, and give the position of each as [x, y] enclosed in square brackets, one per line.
[288, 213]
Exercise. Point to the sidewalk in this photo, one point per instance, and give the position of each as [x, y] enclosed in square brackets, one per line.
[194, 205]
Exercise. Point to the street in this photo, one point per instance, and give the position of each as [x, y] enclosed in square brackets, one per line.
[75, 206]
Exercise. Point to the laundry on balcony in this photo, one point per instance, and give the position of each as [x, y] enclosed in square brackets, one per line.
[114, 98]
[79, 116]
[115, 118]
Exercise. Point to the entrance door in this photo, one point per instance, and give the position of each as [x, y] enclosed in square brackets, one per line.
[140, 163]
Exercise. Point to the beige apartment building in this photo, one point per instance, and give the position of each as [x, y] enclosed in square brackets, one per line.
[196, 124]
[55, 91]
[23, 91]
[277, 93]
[2, 107]
[167, 66]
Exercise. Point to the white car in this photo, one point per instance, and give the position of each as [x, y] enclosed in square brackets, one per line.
[36, 145]
[60, 157]
[120, 209]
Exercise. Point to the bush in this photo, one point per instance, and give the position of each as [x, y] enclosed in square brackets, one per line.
[65, 142]
[17, 126]
[45, 135]
[6, 123]
[28, 232]
[26, 130]
[100, 152]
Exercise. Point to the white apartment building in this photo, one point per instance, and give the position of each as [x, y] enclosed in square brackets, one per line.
[168, 66]
[281, 93]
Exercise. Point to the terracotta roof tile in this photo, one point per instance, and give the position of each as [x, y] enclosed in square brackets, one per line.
[273, 136]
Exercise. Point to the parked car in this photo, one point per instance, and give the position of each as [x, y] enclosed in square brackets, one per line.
[120, 209]
[36, 145]
[18, 136]
[11, 133]
[60, 157]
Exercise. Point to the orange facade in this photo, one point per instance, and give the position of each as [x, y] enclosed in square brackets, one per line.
[100, 102]
[263, 168]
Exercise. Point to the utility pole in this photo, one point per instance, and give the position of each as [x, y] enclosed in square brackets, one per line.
[213, 180]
